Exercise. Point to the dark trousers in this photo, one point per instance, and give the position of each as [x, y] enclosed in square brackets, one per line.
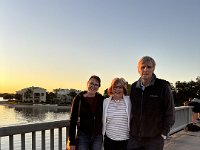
[154, 143]
[110, 144]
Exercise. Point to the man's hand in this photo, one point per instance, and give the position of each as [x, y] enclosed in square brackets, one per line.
[164, 137]
[72, 147]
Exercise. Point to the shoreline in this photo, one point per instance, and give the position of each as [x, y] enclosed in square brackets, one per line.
[36, 105]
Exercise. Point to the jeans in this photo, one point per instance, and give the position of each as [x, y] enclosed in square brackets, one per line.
[86, 142]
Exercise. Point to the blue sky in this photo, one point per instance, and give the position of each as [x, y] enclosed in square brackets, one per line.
[60, 43]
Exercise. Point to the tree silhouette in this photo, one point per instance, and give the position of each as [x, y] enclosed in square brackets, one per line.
[186, 90]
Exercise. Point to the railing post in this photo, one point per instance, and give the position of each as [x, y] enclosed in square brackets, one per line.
[67, 135]
[52, 139]
[43, 140]
[11, 142]
[23, 141]
[190, 114]
[60, 138]
[33, 141]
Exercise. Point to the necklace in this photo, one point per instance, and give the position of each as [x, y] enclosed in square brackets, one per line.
[116, 101]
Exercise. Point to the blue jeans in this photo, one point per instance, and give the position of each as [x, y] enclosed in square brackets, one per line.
[86, 142]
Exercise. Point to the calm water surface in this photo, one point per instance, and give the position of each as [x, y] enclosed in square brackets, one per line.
[26, 114]
[11, 115]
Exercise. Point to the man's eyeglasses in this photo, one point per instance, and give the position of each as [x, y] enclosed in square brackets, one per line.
[93, 84]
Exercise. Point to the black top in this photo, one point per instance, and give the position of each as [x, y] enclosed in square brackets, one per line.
[90, 120]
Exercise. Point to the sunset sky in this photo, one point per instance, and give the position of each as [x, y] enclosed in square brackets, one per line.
[61, 43]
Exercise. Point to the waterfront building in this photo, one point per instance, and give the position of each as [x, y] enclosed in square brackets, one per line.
[34, 94]
[65, 95]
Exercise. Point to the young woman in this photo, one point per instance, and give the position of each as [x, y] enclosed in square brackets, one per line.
[116, 116]
[88, 105]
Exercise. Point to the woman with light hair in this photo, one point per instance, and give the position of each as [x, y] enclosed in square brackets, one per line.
[116, 116]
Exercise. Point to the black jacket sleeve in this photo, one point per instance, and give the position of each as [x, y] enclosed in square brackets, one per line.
[73, 120]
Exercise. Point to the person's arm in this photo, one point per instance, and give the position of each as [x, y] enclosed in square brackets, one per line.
[169, 110]
[73, 121]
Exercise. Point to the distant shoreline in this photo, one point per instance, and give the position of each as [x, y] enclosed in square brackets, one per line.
[35, 105]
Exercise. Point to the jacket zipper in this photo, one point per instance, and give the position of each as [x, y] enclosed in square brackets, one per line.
[94, 125]
[141, 108]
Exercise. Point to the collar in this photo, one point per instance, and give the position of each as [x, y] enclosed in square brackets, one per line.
[140, 85]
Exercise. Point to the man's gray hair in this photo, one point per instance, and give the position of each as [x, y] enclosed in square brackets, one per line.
[147, 59]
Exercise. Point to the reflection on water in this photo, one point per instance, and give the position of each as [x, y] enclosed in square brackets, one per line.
[27, 114]
[41, 113]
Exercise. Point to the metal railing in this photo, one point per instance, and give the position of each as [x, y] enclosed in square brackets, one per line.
[183, 117]
[33, 128]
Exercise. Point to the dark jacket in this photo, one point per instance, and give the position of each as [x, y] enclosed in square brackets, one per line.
[90, 123]
[153, 111]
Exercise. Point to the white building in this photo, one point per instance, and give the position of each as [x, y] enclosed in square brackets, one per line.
[63, 95]
[60, 91]
[35, 94]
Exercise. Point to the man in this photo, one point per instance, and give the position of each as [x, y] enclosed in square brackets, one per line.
[195, 102]
[153, 112]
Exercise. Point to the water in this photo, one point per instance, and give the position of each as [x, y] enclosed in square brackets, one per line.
[12, 115]
[26, 114]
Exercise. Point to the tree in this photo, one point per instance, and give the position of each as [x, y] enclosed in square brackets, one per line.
[28, 94]
[105, 94]
[50, 97]
[18, 97]
[8, 96]
[128, 88]
[185, 90]
[72, 94]
[198, 86]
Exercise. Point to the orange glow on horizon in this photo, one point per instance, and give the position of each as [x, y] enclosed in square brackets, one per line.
[8, 88]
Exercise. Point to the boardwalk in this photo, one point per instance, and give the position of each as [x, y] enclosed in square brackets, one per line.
[183, 140]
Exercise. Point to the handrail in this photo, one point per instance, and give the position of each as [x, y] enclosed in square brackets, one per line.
[26, 128]
[183, 116]
[33, 128]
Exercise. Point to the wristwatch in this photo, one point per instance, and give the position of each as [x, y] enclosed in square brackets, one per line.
[164, 137]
